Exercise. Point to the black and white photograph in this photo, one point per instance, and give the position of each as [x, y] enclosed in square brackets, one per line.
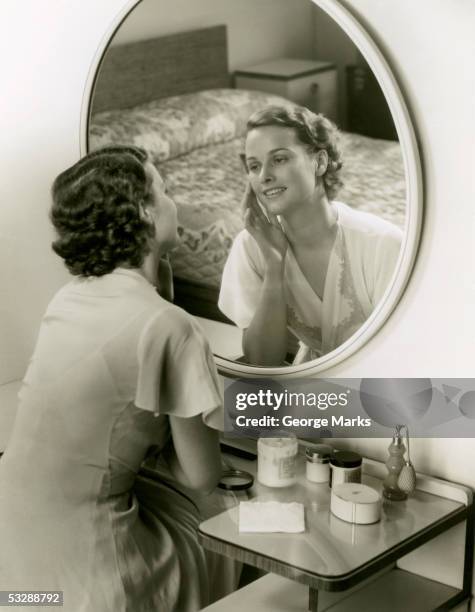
[202, 191]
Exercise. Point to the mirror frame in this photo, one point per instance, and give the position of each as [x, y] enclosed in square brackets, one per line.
[414, 191]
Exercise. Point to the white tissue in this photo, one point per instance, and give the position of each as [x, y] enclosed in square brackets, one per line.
[271, 516]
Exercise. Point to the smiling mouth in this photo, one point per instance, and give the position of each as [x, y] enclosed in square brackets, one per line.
[274, 191]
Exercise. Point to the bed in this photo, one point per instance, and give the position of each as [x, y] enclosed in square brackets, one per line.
[172, 95]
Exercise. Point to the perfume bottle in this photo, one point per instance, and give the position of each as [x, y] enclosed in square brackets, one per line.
[395, 463]
[407, 478]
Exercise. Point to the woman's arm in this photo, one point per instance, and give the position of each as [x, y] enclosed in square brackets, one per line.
[177, 377]
[265, 340]
[194, 458]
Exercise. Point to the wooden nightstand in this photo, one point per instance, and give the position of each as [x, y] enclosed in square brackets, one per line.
[368, 111]
[310, 83]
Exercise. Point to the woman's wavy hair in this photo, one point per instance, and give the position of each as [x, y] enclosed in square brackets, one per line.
[97, 211]
[315, 131]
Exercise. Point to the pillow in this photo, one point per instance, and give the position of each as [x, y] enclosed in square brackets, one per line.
[173, 126]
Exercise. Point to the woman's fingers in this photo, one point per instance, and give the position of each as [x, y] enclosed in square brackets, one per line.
[249, 198]
[257, 210]
[252, 220]
[250, 202]
[251, 226]
[273, 220]
[247, 217]
[265, 217]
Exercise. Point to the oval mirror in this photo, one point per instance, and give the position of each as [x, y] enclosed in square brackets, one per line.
[172, 81]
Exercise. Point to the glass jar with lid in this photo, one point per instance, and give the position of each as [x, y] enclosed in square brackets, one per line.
[276, 459]
[318, 462]
[345, 467]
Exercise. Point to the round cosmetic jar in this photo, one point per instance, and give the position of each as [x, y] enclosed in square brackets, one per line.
[355, 503]
[318, 463]
[276, 459]
[345, 467]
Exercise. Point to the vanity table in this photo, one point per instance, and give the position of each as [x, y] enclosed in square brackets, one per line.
[347, 566]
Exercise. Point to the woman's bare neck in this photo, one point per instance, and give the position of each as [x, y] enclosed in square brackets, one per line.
[310, 227]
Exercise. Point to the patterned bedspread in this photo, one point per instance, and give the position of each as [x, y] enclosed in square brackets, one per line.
[197, 153]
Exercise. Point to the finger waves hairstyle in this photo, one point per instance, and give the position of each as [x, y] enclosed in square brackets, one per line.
[315, 131]
[96, 211]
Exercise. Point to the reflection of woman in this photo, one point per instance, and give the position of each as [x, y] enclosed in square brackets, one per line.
[308, 263]
[118, 372]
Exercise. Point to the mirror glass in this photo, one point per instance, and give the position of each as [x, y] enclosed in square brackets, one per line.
[315, 267]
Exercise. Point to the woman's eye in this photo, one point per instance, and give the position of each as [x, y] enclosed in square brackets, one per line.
[279, 159]
[253, 167]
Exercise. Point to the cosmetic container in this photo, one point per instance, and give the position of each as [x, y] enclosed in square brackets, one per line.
[317, 465]
[345, 467]
[355, 503]
[276, 459]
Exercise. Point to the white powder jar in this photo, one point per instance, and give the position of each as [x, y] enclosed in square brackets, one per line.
[318, 463]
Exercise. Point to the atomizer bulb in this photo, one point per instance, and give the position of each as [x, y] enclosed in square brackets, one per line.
[407, 478]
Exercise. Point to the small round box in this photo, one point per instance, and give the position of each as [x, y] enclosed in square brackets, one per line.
[318, 463]
[355, 503]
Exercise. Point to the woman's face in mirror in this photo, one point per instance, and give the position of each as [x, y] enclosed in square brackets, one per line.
[281, 170]
[163, 211]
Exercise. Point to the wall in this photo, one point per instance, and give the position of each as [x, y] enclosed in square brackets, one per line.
[44, 65]
[332, 43]
[46, 56]
[257, 29]
[432, 332]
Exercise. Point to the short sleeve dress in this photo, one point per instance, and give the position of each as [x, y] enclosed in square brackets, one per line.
[112, 360]
[362, 263]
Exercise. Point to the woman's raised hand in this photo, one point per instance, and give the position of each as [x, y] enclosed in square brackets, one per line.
[266, 231]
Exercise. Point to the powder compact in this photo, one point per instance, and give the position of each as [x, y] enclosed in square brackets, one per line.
[236, 480]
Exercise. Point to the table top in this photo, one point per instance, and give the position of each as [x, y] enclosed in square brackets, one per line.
[332, 554]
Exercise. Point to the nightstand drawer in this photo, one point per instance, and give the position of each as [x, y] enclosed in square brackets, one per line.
[305, 82]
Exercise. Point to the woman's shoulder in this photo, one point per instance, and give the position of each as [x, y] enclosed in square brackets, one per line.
[245, 246]
[245, 241]
[366, 226]
[128, 285]
[172, 322]
[125, 303]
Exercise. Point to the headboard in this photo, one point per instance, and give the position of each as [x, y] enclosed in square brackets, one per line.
[138, 72]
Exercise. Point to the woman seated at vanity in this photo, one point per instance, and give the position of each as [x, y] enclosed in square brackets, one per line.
[304, 262]
[118, 373]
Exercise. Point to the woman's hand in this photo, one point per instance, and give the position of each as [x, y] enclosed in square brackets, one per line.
[267, 232]
[165, 279]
